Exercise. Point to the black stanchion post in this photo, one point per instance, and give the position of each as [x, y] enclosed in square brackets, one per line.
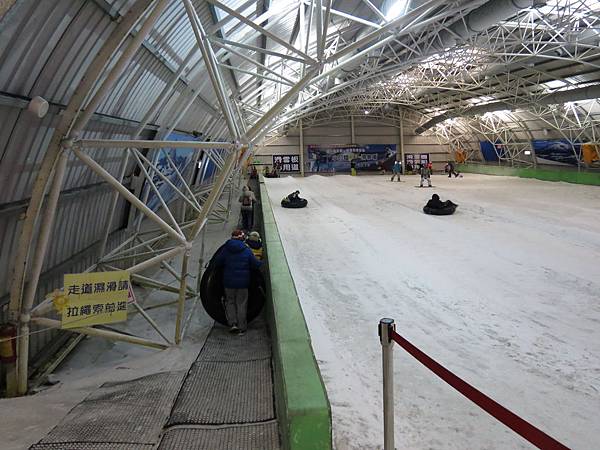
[386, 326]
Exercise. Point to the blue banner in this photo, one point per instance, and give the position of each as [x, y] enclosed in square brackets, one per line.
[340, 158]
[492, 151]
[557, 150]
[181, 158]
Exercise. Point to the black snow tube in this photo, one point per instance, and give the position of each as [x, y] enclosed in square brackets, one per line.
[212, 293]
[445, 211]
[300, 203]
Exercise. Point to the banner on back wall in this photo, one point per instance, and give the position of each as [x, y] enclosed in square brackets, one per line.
[339, 158]
[492, 151]
[287, 163]
[166, 160]
[556, 151]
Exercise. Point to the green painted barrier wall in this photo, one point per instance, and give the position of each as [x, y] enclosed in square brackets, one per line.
[303, 408]
[568, 176]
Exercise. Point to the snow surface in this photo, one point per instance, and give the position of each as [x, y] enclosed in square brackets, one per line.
[504, 293]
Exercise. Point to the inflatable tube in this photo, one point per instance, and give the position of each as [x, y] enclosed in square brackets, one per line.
[212, 293]
[445, 211]
[300, 203]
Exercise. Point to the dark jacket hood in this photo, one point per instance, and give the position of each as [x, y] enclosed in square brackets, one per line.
[235, 245]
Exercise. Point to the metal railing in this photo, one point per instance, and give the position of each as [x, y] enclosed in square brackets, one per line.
[387, 334]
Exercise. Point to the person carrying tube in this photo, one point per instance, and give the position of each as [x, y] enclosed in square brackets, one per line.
[247, 199]
[236, 259]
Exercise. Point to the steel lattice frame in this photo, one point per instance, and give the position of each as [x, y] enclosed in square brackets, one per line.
[331, 65]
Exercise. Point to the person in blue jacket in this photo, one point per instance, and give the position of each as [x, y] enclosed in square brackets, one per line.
[396, 170]
[237, 260]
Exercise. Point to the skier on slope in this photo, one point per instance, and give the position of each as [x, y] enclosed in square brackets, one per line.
[425, 174]
[396, 170]
[436, 203]
[451, 170]
[294, 196]
[439, 208]
[294, 201]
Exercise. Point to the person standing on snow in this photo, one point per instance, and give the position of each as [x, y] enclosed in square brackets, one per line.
[247, 200]
[425, 175]
[396, 170]
[237, 260]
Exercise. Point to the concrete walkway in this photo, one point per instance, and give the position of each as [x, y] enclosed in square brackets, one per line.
[112, 395]
[224, 401]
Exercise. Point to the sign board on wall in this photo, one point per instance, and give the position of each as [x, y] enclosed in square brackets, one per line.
[95, 298]
[415, 160]
[338, 158]
[287, 163]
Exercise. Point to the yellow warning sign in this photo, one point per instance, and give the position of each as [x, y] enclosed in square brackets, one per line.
[95, 298]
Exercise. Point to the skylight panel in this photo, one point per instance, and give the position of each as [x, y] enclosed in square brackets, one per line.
[397, 9]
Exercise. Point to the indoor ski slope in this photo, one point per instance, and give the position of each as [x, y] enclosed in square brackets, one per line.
[505, 293]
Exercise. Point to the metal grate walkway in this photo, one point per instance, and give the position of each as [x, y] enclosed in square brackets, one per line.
[224, 402]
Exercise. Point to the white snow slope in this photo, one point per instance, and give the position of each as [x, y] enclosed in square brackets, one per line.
[504, 293]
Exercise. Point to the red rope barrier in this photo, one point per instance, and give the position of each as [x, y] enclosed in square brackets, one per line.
[534, 435]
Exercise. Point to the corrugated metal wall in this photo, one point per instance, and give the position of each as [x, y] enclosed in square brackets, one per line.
[46, 47]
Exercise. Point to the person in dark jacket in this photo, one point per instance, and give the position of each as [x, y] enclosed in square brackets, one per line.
[436, 203]
[294, 196]
[451, 170]
[237, 260]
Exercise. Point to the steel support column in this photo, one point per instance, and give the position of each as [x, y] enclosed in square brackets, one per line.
[301, 149]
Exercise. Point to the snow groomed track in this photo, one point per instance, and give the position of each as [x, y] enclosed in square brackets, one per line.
[504, 293]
